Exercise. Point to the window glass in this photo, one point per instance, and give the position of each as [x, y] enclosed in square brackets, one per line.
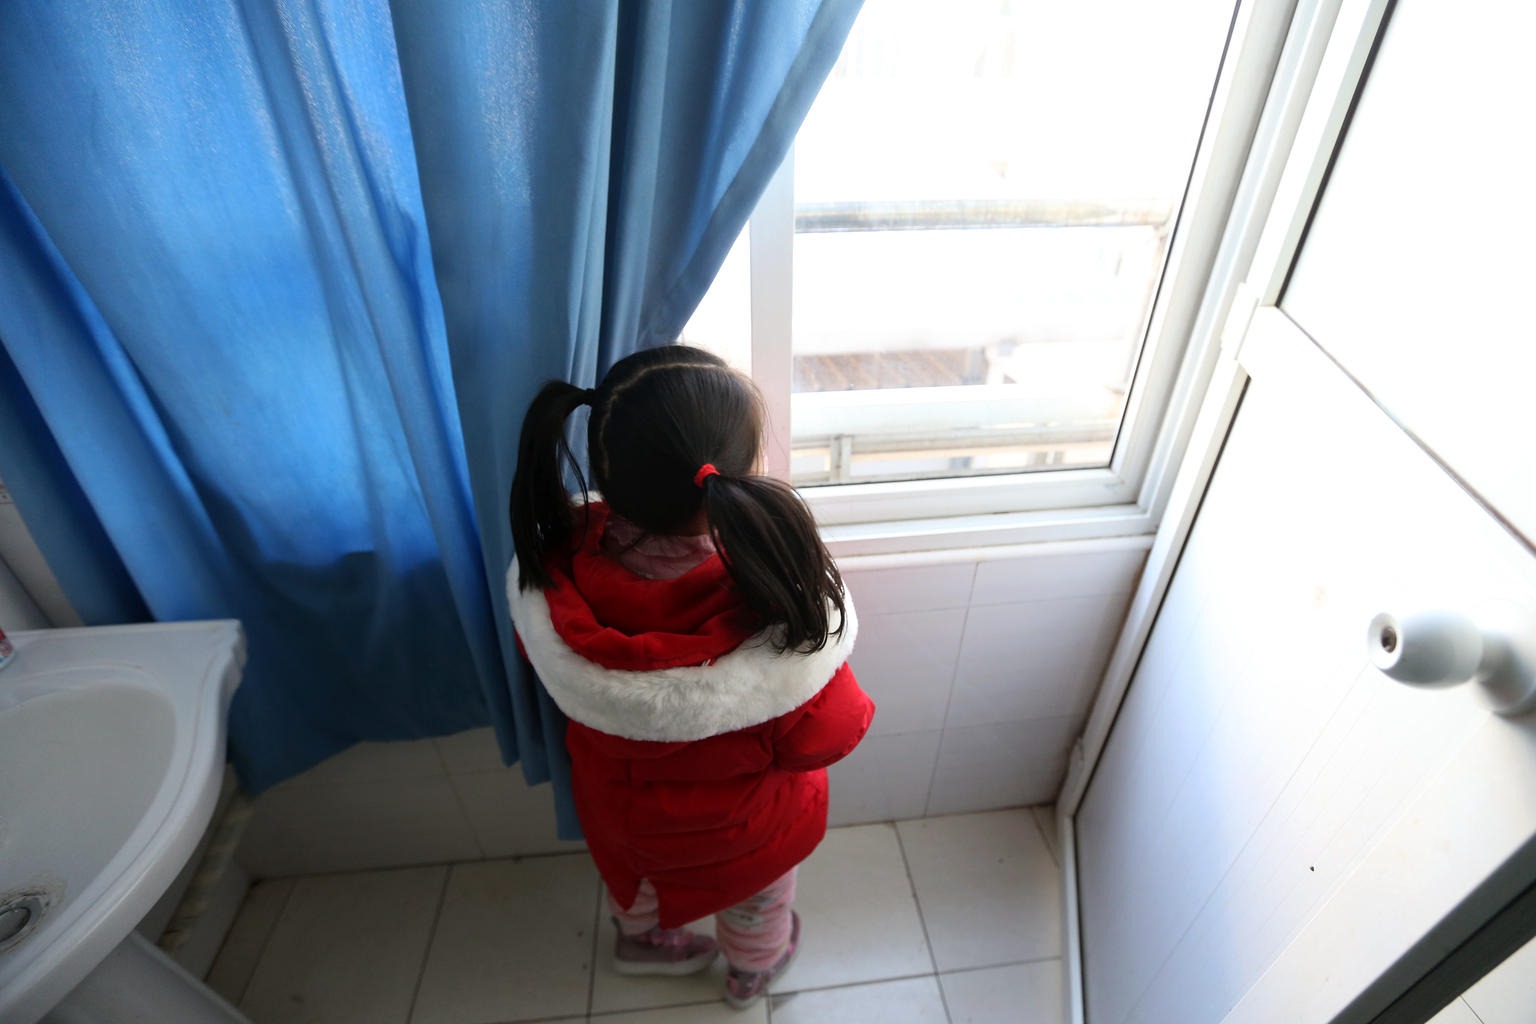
[985, 192]
[723, 322]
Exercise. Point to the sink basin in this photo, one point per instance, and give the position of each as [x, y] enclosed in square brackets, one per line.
[111, 757]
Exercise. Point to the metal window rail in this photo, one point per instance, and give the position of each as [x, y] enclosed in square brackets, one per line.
[968, 424]
[961, 424]
[1046, 446]
[981, 214]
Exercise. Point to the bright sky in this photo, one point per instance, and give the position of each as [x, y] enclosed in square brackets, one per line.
[1074, 99]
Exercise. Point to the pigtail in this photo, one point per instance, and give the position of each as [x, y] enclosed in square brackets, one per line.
[540, 508]
[770, 546]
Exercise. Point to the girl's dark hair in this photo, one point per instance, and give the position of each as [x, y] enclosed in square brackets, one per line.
[657, 417]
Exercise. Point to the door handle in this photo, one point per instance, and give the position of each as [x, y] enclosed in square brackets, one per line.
[1493, 648]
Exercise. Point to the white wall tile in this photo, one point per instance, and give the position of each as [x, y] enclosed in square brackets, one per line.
[886, 778]
[1033, 992]
[989, 891]
[1041, 659]
[915, 589]
[1012, 659]
[474, 750]
[905, 662]
[514, 940]
[909, 1001]
[1052, 577]
[304, 830]
[348, 949]
[509, 817]
[1007, 764]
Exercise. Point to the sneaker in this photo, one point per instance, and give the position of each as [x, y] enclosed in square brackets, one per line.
[743, 988]
[661, 950]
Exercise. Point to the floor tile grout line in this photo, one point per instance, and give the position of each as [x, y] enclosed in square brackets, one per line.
[857, 984]
[537, 1020]
[949, 700]
[426, 954]
[458, 799]
[469, 819]
[224, 942]
[768, 1000]
[864, 983]
[1050, 847]
[922, 919]
[597, 922]
[266, 940]
[414, 865]
[997, 967]
[602, 1015]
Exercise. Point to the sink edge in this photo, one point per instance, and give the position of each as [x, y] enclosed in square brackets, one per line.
[155, 853]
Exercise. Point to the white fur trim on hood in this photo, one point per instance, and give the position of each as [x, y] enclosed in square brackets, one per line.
[749, 685]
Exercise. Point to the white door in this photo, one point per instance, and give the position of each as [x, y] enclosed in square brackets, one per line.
[1275, 823]
[1274, 830]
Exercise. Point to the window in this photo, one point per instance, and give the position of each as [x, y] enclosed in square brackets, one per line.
[967, 313]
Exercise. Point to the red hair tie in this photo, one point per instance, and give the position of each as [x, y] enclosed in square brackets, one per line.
[705, 472]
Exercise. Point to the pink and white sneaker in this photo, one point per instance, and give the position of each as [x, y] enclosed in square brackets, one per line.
[673, 951]
[744, 988]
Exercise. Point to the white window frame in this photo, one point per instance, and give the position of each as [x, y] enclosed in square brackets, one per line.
[1213, 243]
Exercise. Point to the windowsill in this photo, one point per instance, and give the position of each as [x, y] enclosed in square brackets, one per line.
[920, 541]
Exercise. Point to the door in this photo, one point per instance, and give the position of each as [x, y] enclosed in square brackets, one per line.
[1274, 830]
[1275, 823]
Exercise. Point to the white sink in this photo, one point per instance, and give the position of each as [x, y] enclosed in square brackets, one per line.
[111, 757]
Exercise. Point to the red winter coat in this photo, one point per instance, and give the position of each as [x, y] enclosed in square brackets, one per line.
[698, 755]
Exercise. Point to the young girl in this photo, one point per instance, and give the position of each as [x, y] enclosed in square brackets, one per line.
[696, 632]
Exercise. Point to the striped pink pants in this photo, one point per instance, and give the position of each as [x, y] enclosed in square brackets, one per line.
[752, 934]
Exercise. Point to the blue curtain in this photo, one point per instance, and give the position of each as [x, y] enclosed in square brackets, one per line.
[281, 276]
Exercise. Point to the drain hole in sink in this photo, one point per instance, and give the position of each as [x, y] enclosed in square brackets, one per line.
[21, 911]
[13, 920]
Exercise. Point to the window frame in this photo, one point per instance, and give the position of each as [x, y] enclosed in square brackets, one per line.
[1212, 243]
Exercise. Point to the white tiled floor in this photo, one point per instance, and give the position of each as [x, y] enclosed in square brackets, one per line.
[928, 921]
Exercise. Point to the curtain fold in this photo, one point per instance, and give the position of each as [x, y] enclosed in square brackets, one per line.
[282, 276]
